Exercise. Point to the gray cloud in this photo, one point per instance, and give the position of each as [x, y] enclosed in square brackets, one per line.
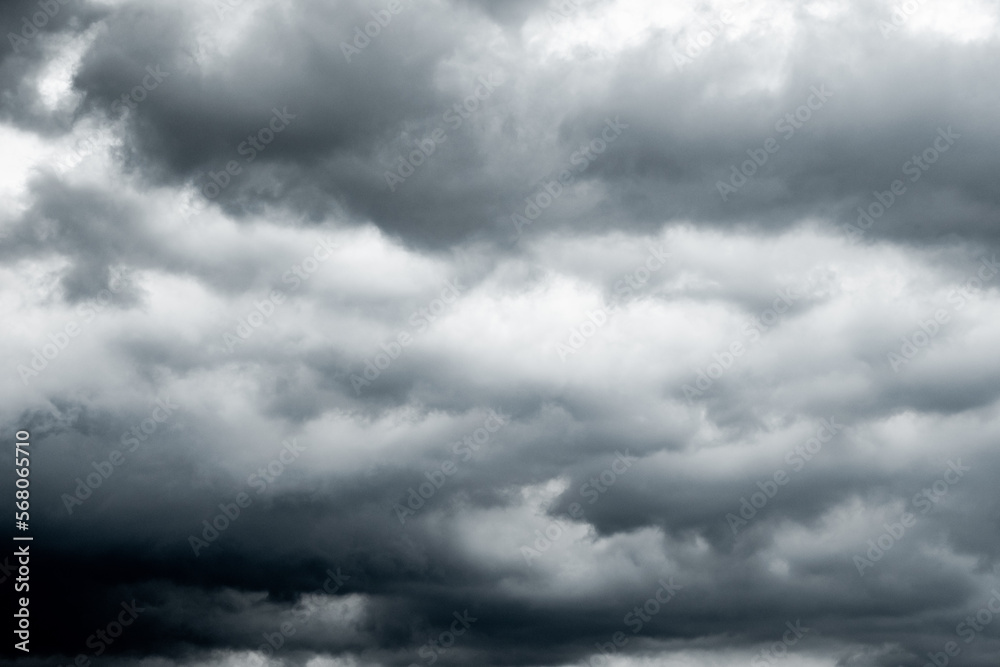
[337, 252]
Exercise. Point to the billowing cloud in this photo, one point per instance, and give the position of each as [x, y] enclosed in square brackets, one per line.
[452, 332]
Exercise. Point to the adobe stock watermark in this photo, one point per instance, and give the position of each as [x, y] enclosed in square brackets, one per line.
[130, 100]
[779, 650]
[29, 28]
[223, 6]
[432, 650]
[562, 11]
[969, 630]
[260, 481]
[265, 308]
[596, 319]
[592, 490]
[104, 469]
[917, 339]
[103, 638]
[381, 19]
[465, 448]
[958, 298]
[636, 620]
[250, 148]
[901, 14]
[705, 38]
[122, 107]
[455, 116]
[552, 189]
[753, 329]
[928, 329]
[924, 500]
[7, 569]
[57, 342]
[194, 49]
[797, 458]
[273, 641]
[421, 321]
[787, 125]
[915, 168]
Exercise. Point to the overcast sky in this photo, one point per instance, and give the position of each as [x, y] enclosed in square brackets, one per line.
[387, 333]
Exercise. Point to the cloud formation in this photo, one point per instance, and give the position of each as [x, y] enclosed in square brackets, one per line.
[456, 332]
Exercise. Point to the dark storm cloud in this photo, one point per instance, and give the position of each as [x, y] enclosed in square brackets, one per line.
[93, 228]
[340, 108]
[354, 119]
[29, 28]
[829, 159]
[540, 534]
[415, 572]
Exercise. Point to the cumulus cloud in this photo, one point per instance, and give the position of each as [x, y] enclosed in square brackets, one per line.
[455, 332]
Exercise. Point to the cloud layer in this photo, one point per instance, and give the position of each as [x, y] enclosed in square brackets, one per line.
[456, 332]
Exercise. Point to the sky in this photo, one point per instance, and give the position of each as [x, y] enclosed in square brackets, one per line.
[396, 333]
